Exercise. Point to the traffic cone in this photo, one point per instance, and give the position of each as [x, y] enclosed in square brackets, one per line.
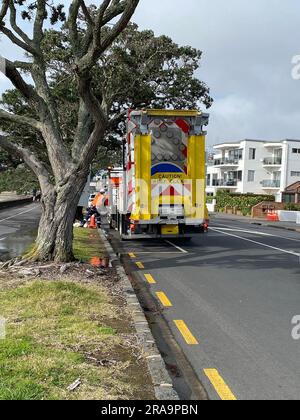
[272, 216]
[93, 224]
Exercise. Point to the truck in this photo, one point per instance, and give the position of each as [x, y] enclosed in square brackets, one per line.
[159, 192]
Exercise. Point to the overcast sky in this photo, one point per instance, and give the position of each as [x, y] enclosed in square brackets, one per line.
[248, 48]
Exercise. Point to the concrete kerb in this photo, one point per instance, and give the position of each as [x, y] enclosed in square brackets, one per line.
[284, 228]
[15, 203]
[161, 379]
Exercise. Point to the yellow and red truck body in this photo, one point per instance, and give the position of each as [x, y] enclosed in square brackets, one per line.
[162, 185]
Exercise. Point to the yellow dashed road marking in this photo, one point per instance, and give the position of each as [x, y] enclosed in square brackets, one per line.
[219, 384]
[140, 265]
[150, 279]
[164, 299]
[186, 333]
[132, 255]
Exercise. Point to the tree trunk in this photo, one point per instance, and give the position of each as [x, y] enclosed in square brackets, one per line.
[55, 235]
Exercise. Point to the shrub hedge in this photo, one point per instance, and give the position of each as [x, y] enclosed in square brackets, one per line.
[242, 202]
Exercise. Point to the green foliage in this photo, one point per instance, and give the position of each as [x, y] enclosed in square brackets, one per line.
[54, 12]
[292, 207]
[139, 70]
[242, 202]
[21, 180]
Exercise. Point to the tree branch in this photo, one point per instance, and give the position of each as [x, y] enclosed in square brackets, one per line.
[14, 25]
[17, 80]
[38, 24]
[15, 40]
[19, 119]
[30, 159]
[83, 130]
[4, 9]
[90, 148]
[91, 103]
[104, 15]
[72, 25]
[129, 10]
[86, 13]
[24, 65]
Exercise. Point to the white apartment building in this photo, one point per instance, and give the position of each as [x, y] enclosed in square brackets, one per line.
[254, 166]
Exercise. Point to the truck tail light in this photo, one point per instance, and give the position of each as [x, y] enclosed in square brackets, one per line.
[206, 225]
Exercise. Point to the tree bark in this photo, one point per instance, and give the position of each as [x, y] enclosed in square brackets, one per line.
[55, 236]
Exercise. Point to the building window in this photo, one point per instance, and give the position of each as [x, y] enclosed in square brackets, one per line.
[296, 151]
[295, 174]
[251, 176]
[289, 198]
[208, 180]
[236, 154]
[252, 154]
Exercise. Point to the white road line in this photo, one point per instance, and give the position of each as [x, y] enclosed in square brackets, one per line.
[18, 214]
[159, 252]
[3, 239]
[177, 247]
[244, 231]
[255, 232]
[255, 242]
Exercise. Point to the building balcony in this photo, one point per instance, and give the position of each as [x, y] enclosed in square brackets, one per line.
[272, 161]
[226, 162]
[222, 183]
[271, 184]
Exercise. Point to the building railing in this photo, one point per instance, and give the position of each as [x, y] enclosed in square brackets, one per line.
[273, 161]
[219, 162]
[271, 183]
[223, 183]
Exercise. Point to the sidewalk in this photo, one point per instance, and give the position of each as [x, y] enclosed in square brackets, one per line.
[278, 225]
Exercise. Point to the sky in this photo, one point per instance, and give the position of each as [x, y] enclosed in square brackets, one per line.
[248, 47]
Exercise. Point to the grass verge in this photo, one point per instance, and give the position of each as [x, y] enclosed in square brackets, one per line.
[87, 244]
[62, 330]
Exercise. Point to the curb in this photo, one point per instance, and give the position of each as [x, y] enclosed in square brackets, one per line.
[285, 228]
[163, 385]
[15, 203]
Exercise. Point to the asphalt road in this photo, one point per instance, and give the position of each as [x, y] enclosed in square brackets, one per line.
[229, 298]
[18, 228]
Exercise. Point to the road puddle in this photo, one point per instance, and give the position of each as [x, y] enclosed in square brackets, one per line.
[15, 245]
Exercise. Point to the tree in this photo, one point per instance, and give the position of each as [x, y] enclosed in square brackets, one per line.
[138, 70]
[63, 176]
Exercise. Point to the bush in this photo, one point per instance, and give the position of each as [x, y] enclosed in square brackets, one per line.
[21, 180]
[242, 202]
[292, 207]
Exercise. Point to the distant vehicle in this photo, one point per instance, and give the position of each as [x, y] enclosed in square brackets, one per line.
[160, 190]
